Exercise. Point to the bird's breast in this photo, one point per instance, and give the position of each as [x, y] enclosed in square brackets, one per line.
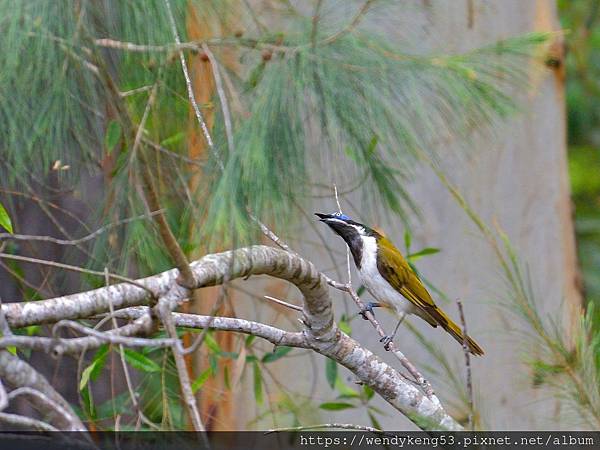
[375, 284]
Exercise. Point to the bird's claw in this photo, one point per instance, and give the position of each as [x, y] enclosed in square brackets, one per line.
[386, 340]
[368, 307]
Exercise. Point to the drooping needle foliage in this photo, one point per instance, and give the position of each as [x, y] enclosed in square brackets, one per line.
[309, 101]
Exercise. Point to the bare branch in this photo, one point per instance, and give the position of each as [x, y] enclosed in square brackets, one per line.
[467, 353]
[353, 23]
[222, 97]
[190, 89]
[272, 334]
[72, 268]
[99, 231]
[321, 333]
[3, 397]
[18, 373]
[343, 426]
[164, 308]
[41, 397]
[25, 423]
[282, 303]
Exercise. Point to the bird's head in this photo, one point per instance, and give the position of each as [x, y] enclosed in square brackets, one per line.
[344, 226]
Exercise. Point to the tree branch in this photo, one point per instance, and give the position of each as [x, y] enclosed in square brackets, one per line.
[18, 374]
[321, 333]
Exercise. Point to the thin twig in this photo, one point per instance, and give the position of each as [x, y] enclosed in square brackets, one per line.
[4, 327]
[222, 97]
[131, 47]
[343, 426]
[164, 310]
[190, 90]
[337, 200]
[75, 269]
[465, 346]
[40, 396]
[132, 396]
[114, 338]
[281, 302]
[353, 23]
[3, 397]
[99, 231]
[140, 128]
[315, 23]
[172, 154]
[26, 422]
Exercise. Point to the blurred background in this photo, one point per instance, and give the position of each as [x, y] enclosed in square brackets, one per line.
[464, 130]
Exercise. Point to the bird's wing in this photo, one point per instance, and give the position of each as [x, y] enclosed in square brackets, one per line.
[396, 271]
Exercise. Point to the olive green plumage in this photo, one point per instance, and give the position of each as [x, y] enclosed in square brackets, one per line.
[394, 268]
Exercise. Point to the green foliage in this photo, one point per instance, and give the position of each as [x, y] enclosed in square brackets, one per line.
[331, 372]
[336, 406]
[113, 134]
[258, 384]
[366, 106]
[571, 366]
[202, 378]
[278, 353]
[5, 219]
[140, 362]
[95, 368]
[581, 20]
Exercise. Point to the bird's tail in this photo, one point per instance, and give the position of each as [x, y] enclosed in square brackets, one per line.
[455, 331]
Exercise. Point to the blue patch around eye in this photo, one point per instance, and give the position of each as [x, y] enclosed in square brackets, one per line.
[339, 215]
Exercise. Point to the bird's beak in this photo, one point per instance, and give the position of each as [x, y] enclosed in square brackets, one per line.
[323, 217]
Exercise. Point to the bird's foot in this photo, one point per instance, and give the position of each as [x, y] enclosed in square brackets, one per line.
[368, 307]
[387, 341]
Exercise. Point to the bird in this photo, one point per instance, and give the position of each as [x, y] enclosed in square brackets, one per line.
[391, 281]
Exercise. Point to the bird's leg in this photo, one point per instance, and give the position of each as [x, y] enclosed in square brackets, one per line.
[387, 340]
[369, 307]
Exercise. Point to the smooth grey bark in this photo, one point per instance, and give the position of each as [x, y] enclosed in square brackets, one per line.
[17, 373]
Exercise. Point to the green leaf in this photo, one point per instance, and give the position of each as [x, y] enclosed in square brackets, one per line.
[226, 379]
[140, 362]
[112, 136]
[361, 290]
[369, 393]
[279, 352]
[374, 421]
[177, 137]
[99, 361]
[407, 240]
[85, 376]
[258, 387]
[88, 403]
[331, 372]
[345, 390]
[95, 368]
[249, 340]
[210, 342]
[344, 325]
[32, 330]
[424, 252]
[214, 362]
[336, 406]
[199, 382]
[5, 220]
[12, 350]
